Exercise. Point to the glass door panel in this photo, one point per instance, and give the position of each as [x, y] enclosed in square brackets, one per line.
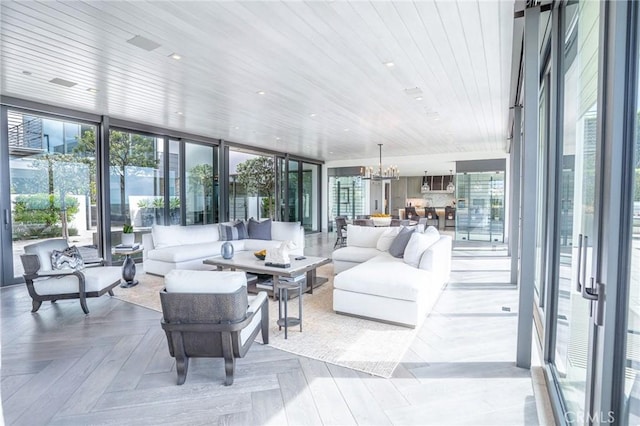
[572, 351]
[293, 191]
[52, 178]
[201, 178]
[632, 359]
[310, 176]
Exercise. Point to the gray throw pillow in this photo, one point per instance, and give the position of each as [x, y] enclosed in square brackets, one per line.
[68, 258]
[400, 242]
[260, 230]
[235, 232]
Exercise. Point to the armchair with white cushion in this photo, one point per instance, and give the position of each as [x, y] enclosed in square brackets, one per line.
[208, 314]
[46, 283]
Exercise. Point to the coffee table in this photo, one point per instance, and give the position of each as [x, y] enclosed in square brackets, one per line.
[246, 261]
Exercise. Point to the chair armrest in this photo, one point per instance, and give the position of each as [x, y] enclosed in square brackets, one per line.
[257, 303]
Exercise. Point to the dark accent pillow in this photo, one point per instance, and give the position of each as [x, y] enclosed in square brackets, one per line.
[400, 242]
[260, 230]
[68, 258]
[235, 232]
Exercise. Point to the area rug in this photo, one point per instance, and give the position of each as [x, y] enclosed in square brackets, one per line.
[355, 343]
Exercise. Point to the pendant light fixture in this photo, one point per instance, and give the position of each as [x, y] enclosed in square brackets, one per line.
[450, 186]
[425, 184]
[370, 173]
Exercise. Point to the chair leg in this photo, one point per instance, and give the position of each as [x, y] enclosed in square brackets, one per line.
[229, 359]
[83, 304]
[182, 360]
[264, 324]
[35, 305]
[110, 292]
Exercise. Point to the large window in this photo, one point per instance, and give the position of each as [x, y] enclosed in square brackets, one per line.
[136, 183]
[52, 181]
[201, 173]
[480, 207]
[251, 185]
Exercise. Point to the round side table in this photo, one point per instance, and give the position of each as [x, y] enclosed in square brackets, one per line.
[283, 298]
[128, 266]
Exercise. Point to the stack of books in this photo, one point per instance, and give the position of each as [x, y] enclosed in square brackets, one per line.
[127, 247]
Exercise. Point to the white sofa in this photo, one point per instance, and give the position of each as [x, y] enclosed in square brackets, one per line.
[372, 283]
[185, 247]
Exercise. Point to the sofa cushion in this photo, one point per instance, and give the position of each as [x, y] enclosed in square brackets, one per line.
[96, 279]
[288, 231]
[259, 230]
[355, 254]
[236, 232]
[257, 245]
[384, 276]
[170, 236]
[183, 281]
[363, 236]
[418, 243]
[188, 252]
[387, 237]
[400, 242]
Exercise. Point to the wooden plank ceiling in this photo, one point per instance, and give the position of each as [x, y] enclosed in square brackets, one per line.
[328, 90]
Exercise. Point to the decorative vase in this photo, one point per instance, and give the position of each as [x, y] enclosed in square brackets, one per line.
[127, 239]
[227, 250]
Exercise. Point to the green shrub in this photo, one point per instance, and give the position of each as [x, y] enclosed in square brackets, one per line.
[38, 215]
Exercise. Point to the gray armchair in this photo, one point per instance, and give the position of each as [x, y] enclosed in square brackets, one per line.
[208, 314]
[45, 283]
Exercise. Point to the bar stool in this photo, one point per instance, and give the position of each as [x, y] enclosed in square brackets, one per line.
[283, 297]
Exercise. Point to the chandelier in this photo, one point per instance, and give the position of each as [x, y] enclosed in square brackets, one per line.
[369, 173]
[425, 188]
[450, 186]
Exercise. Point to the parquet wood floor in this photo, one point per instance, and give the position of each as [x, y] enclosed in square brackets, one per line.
[60, 367]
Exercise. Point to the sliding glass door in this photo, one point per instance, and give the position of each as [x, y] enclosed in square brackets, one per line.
[52, 181]
[573, 350]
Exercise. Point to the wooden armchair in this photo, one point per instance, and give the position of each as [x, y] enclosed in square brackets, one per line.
[208, 314]
[45, 283]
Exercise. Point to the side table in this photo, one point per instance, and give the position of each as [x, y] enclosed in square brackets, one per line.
[128, 266]
[283, 298]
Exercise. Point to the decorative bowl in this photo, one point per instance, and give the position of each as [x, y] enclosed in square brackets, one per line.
[259, 255]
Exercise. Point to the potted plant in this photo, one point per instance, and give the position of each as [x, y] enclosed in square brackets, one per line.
[158, 205]
[128, 237]
[174, 210]
[147, 213]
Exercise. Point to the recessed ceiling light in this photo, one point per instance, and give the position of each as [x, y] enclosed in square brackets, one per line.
[346, 130]
[179, 112]
[277, 138]
[144, 43]
[330, 152]
[26, 72]
[175, 56]
[312, 115]
[389, 64]
[62, 82]
[261, 92]
[92, 90]
[236, 127]
[418, 98]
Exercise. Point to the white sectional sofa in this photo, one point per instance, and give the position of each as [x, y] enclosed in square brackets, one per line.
[372, 283]
[185, 247]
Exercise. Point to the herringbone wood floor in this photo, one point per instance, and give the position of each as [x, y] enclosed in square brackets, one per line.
[61, 367]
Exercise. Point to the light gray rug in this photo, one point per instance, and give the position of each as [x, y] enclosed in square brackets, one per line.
[363, 345]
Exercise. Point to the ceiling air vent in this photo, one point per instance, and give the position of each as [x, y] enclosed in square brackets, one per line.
[414, 91]
[62, 82]
[144, 43]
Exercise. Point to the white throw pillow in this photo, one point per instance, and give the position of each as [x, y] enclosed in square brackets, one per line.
[417, 245]
[363, 236]
[387, 237]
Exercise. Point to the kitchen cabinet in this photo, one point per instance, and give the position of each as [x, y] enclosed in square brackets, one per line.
[414, 186]
[398, 194]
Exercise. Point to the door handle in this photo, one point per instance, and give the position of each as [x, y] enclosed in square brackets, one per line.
[6, 219]
[596, 295]
[582, 262]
